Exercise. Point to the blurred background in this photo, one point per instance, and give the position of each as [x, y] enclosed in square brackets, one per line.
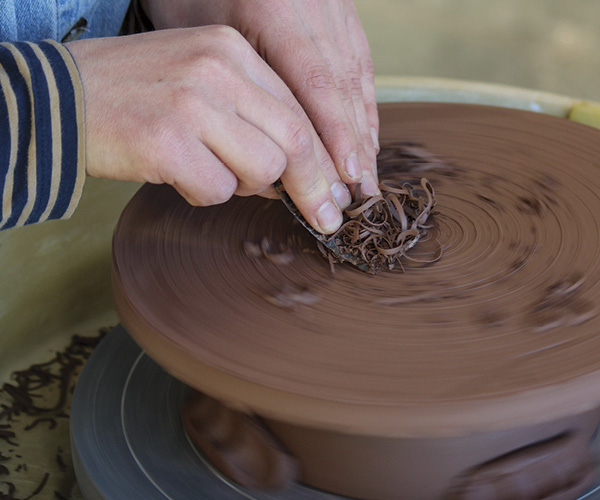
[549, 45]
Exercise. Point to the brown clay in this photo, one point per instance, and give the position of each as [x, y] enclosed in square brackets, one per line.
[559, 468]
[498, 337]
[239, 445]
[439, 468]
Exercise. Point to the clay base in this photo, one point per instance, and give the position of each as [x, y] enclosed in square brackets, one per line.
[403, 385]
[547, 461]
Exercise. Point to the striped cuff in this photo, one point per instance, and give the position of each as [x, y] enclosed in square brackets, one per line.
[42, 136]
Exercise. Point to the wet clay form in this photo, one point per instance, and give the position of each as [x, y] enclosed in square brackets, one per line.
[473, 375]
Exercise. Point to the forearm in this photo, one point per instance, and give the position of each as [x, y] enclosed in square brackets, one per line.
[42, 158]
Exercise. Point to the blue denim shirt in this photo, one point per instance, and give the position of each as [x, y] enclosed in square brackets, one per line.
[60, 20]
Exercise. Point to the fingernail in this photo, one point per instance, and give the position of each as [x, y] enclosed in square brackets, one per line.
[329, 217]
[368, 185]
[375, 140]
[341, 194]
[353, 167]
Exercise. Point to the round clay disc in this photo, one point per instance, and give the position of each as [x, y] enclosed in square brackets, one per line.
[501, 331]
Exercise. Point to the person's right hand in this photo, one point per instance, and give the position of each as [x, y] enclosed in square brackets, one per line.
[200, 110]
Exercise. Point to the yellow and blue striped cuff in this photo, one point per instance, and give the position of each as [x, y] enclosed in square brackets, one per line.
[42, 138]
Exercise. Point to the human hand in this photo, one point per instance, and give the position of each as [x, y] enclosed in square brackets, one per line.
[200, 110]
[320, 51]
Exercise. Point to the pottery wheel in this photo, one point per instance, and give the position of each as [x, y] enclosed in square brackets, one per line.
[501, 331]
[128, 440]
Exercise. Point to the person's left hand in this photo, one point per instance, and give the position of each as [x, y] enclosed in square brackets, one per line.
[319, 49]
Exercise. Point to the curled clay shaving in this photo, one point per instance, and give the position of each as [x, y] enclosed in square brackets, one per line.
[24, 401]
[379, 230]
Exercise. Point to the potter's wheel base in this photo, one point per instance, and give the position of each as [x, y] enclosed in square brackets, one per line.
[128, 440]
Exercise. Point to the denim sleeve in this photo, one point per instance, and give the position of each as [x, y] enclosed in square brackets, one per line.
[42, 158]
[37, 20]
[28, 19]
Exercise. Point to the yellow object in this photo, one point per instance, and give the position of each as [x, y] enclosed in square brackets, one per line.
[587, 113]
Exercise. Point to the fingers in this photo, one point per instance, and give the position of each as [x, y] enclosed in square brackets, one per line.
[340, 191]
[221, 121]
[303, 176]
[269, 193]
[327, 81]
[344, 66]
[359, 43]
[277, 88]
[201, 178]
[258, 161]
[295, 58]
[252, 156]
[343, 61]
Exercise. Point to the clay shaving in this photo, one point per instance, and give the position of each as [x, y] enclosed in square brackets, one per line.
[379, 230]
[25, 403]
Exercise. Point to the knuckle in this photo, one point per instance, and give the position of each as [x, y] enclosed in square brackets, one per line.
[312, 187]
[344, 88]
[327, 166]
[299, 140]
[213, 45]
[367, 141]
[268, 172]
[215, 192]
[319, 77]
[226, 43]
[354, 83]
[371, 109]
[225, 35]
[297, 109]
[340, 132]
[367, 67]
[276, 167]
[211, 65]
